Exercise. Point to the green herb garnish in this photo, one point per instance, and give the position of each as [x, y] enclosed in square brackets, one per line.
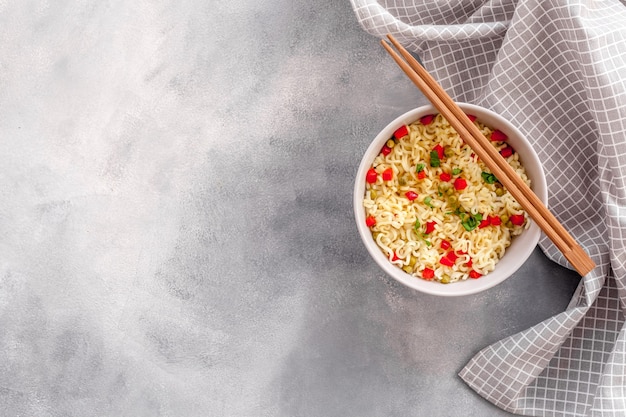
[419, 168]
[427, 201]
[420, 234]
[488, 178]
[470, 221]
[434, 159]
[456, 171]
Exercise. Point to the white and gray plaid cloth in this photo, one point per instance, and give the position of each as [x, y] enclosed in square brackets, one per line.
[557, 70]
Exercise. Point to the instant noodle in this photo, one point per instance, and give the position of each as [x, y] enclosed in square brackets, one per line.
[434, 209]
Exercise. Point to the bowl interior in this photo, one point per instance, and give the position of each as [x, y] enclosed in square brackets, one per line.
[516, 254]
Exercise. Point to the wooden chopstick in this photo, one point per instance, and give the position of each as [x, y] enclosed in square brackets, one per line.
[468, 131]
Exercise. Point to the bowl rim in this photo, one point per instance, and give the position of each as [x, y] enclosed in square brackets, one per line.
[532, 234]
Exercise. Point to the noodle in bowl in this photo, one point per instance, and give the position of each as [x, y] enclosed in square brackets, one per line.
[433, 216]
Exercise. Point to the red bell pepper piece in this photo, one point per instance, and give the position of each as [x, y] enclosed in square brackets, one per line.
[498, 136]
[428, 274]
[446, 261]
[517, 219]
[475, 274]
[394, 257]
[401, 132]
[439, 149]
[445, 245]
[494, 220]
[371, 176]
[452, 256]
[444, 176]
[386, 150]
[411, 195]
[430, 227]
[370, 221]
[471, 117]
[506, 152]
[388, 174]
[484, 223]
[428, 119]
[460, 184]
[421, 175]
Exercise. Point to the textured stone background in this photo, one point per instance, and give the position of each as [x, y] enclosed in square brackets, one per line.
[176, 226]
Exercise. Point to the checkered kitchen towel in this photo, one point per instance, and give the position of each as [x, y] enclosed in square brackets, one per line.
[556, 69]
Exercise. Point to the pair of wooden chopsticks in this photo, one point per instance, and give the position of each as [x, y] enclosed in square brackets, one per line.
[491, 157]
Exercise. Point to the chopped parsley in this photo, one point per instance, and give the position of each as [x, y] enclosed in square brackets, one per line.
[435, 162]
[470, 221]
[488, 178]
[419, 234]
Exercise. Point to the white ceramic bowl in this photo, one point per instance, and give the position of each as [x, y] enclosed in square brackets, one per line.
[521, 247]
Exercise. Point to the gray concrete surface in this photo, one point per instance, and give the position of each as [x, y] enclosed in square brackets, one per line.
[177, 229]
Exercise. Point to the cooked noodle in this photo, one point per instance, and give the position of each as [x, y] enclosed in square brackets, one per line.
[467, 239]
